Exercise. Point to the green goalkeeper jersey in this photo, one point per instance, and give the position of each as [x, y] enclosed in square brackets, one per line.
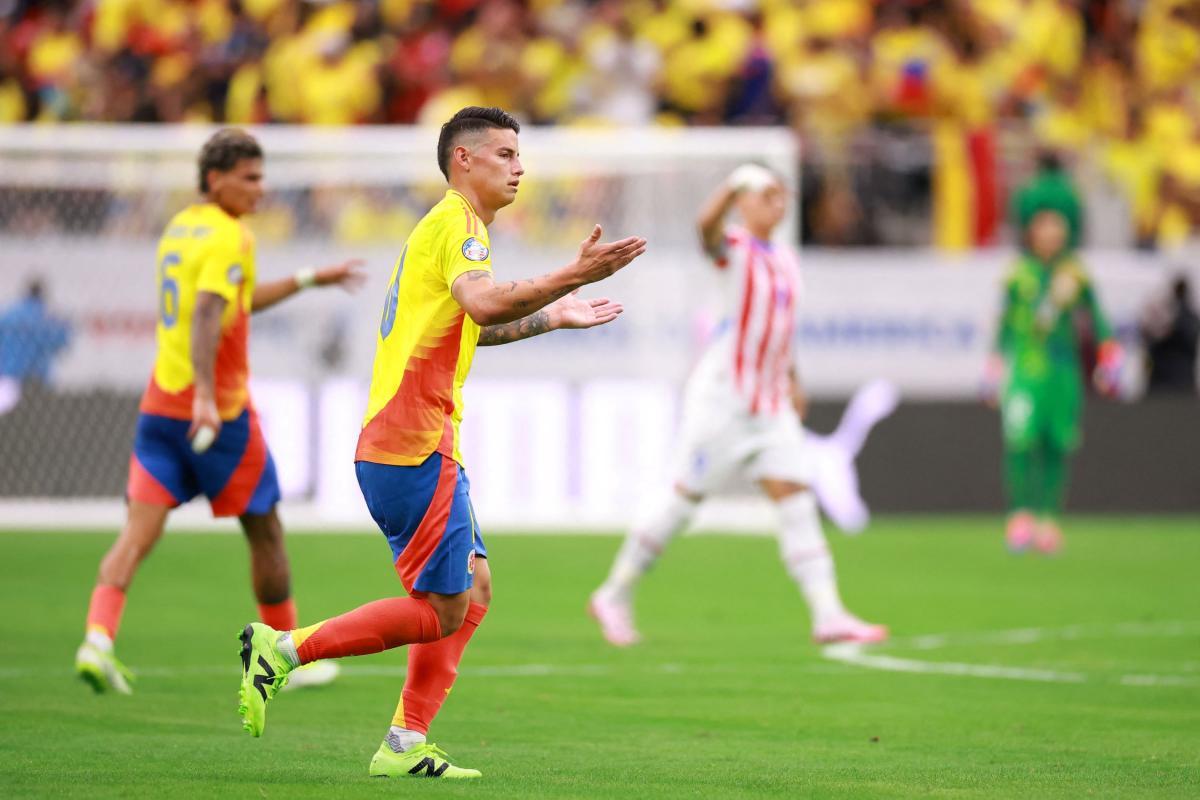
[1043, 395]
[1037, 331]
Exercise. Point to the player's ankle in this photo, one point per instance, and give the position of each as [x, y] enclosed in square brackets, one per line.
[610, 593]
[99, 639]
[400, 739]
[287, 648]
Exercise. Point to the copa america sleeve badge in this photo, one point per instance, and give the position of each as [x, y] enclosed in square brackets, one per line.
[475, 250]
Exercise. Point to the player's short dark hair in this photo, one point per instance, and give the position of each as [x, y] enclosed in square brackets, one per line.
[470, 120]
[224, 149]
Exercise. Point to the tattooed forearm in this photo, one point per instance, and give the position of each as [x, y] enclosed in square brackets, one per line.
[512, 285]
[536, 323]
[541, 298]
[490, 303]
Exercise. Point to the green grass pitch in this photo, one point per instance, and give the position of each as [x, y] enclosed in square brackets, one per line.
[727, 698]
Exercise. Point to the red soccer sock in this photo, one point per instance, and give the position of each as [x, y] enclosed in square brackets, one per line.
[377, 626]
[104, 612]
[280, 616]
[432, 669]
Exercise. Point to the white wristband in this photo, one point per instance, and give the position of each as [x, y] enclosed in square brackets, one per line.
[305, 278]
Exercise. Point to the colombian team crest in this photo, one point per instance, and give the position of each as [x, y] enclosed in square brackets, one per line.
[475, 250]
[471, 563]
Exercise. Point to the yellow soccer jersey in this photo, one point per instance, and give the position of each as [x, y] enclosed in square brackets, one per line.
[426, 341]
[203, 250]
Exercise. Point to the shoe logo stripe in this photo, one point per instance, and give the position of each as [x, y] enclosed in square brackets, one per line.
[428, 765]
[261, 681]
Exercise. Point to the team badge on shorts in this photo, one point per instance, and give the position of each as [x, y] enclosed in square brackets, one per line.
[471, 563]
[234, 275]
[475, 250]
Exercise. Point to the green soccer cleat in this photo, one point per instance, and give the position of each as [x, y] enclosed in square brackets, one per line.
[101, 670]
[423, 761]
[264, 673]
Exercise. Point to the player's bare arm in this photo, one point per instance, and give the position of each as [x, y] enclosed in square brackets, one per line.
[570, 311]
[489, 303]
[349, 275]
[206, 337]
[535, 324]
[711, 219]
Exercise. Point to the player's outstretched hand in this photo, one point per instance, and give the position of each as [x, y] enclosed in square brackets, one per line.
[597, 260]
[349, 275]
[573, 311]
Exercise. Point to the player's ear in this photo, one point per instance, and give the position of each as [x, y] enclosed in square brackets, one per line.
[462, 157]
[213, 179]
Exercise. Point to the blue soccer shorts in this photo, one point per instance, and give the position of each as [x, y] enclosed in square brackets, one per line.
[236, 474]
[425, 512]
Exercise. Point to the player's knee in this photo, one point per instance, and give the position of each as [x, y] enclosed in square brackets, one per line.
[451, 612]
[263, 530]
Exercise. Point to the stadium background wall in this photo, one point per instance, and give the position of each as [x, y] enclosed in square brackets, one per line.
[929, 456]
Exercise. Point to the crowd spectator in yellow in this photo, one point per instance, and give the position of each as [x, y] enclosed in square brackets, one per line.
[1060, 73]
[339, 86]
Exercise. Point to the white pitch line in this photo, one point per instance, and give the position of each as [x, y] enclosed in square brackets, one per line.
[871, 658]
[850, 653]
[1020, 636]
[1159, 680]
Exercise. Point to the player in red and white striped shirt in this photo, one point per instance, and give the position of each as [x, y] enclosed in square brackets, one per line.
[741, 416]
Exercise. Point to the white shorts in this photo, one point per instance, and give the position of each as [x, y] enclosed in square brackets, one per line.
[720, 441]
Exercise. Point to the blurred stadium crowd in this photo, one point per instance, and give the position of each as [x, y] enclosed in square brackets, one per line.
[905, 107]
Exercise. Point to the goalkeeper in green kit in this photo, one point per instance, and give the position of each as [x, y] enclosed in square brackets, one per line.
[1036, 372]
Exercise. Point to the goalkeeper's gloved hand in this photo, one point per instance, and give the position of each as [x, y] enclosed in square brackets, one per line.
[1107, 375]
[993, 376]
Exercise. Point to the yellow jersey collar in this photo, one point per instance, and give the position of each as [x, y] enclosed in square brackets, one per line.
[462, 197]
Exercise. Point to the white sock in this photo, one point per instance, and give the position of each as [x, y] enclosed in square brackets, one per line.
[100, 640]
[287, 648]
[807, 557]
[645, 542]
[401, 739]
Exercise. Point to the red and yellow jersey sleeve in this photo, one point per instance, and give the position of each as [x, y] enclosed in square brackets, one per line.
[426, 341]
[202, 250]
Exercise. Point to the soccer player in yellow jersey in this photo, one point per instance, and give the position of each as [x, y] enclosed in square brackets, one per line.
[197, 432]
[441, 302]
